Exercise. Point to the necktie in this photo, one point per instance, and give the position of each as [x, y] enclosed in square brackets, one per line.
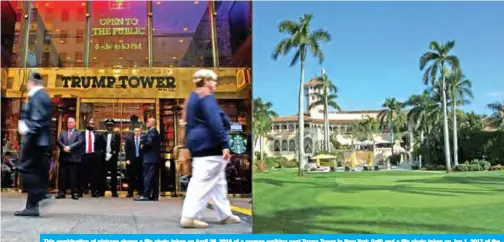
[69, 134]
[90, 142]
[137, 150]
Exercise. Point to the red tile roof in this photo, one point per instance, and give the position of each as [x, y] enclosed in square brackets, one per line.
[310, 119]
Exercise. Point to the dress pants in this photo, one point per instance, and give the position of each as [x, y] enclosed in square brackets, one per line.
[110, 166]
[151, 180]
[208, 182]
[93, 173]
[35, 177]
[68, 177]
[135, 177]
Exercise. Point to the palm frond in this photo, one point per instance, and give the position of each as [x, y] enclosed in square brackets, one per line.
[282, 48]
[288, 26]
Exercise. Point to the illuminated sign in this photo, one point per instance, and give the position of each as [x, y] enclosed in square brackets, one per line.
[238, 144]
[236, 127]
[167, 82]
[118, 27]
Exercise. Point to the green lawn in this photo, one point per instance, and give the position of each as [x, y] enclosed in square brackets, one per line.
[378, 202]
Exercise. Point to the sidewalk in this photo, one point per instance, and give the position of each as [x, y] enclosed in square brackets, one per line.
[106, 215]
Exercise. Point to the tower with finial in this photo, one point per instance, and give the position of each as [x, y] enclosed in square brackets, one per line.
[311, 91]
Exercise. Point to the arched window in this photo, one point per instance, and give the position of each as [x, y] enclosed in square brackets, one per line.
[308, 145]
[285, 145]
[276, 146]
[292, 145]
[284, 127]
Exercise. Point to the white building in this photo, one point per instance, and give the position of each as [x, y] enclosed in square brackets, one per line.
[282, 141]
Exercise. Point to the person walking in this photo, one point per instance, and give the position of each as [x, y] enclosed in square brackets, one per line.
[70, 145]
[151, 148]
[35, 126]
[207, 138]
[134, 162]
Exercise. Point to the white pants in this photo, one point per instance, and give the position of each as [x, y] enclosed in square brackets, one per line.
[208, 182]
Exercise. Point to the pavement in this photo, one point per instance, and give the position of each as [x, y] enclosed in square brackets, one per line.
[110, 215]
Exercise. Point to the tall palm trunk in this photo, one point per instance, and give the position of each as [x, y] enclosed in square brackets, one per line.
[422, 137]
[326, 131]
[391, 130]
[410, 134]
[445, 124]
[262, 150]
[455, 138]
[301, 118]
[326, 115]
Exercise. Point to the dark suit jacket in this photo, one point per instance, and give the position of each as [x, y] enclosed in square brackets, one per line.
[115, 143]
[130, 148]
[98, 145]
[76, 144]
[37, 115]
[151, 147]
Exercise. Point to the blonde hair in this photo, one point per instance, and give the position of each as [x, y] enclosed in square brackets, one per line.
[201, 74]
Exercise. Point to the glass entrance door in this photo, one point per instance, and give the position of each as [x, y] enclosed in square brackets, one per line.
[127, 114]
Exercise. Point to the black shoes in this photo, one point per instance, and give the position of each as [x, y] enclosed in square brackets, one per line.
[142, 199]
[60, 196]
[28, 212]
[75, 196]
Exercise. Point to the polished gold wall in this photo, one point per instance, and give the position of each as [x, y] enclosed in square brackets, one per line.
[233, 83]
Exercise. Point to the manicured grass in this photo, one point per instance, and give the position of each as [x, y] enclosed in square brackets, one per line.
[378, 202]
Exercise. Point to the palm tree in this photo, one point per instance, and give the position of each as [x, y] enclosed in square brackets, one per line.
[439, 58]
[387, 116]
[497, 117]
[422, 106]
[357, 131]
[326, 99]
[370, 127]
[301, 40]
[459, 88]
[262, 116]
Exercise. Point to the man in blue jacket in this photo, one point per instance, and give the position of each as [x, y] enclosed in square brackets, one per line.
[151, 148]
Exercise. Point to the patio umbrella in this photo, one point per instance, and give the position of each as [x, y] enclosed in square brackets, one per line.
[323, 157]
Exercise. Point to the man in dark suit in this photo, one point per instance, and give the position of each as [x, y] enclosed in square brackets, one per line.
[70, 145]
[134, 162]
[92, 159]
[35, 126]
[151, 148]
[111, 147]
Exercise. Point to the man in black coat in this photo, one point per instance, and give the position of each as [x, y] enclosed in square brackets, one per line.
[70, 145]
[134, 162]
[35, 126]
[112, 146]
[92, 159]
[151, 148]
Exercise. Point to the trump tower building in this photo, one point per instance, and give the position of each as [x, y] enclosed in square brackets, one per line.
[129, 61]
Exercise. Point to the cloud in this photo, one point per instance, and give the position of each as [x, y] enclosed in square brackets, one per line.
[495, 94]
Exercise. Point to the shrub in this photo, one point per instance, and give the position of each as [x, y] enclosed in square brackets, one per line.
[474, 165]
[275, 161]
[288, 163]
[431, 167]
[497, 167]
[395, 159]
[260, 167]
